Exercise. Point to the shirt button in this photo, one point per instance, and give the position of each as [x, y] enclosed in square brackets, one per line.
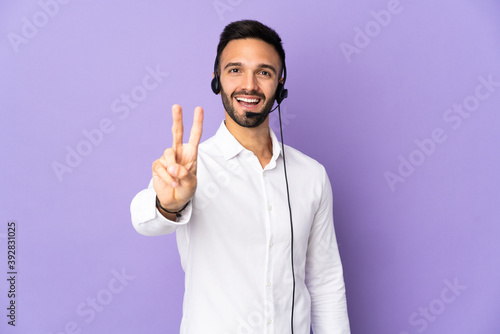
[270, 207]
[271, 244]
[269, 322]
[268, 284]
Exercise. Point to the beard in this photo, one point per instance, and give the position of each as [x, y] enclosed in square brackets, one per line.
[243, 120]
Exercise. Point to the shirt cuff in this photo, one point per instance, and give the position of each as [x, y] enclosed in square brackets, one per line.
[148, 220]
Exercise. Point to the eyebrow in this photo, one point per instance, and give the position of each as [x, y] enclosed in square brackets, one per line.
[237, 64]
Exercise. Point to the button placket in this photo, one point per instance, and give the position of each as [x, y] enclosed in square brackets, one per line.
[269, 291]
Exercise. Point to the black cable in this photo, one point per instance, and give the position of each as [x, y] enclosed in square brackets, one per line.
[290, 211]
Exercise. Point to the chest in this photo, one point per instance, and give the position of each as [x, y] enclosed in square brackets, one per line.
[238, 201]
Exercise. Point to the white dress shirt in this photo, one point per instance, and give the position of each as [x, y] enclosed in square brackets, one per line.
[234, 243]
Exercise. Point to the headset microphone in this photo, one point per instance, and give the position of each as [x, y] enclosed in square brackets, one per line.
[250, 114]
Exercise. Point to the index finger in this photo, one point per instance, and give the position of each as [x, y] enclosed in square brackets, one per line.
[197, 128]
[177, 126]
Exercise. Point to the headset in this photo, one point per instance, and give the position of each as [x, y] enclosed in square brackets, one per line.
[280, 95]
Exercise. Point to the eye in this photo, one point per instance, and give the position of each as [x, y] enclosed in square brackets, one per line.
[266, 73]
[234, 70]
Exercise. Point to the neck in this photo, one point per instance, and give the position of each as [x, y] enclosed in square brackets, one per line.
[258, 140]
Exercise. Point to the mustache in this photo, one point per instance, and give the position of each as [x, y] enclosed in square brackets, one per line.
[250, 93]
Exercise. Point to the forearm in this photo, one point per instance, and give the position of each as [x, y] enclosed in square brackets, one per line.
[329, 307]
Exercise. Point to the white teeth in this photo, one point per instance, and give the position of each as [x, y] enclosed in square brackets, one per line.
[247, 100]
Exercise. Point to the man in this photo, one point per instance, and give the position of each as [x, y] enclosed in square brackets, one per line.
[227, 202]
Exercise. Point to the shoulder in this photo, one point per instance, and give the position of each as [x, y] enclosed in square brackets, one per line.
[300, 160]
[307, 173]
[308, 180]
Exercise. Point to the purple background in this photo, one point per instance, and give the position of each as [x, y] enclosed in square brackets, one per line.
[401, 246]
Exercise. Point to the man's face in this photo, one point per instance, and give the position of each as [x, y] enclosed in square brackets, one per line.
[249, 72]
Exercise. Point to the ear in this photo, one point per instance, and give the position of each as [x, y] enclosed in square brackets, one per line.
[281, 80]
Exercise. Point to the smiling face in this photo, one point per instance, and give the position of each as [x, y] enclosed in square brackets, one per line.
[249, 72]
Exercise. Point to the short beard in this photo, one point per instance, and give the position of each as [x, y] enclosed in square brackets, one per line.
[244, 121]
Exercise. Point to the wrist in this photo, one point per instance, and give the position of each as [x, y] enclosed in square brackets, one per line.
[175, 211]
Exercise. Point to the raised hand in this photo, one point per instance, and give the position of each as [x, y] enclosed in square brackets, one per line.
[174, 173]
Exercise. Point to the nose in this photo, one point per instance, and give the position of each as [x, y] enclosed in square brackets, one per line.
[250, 82]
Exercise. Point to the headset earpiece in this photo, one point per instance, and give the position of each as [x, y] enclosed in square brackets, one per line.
[216, 87]
[216, 83]
[281, 93]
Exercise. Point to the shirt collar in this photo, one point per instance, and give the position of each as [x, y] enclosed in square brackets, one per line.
[230, 147]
